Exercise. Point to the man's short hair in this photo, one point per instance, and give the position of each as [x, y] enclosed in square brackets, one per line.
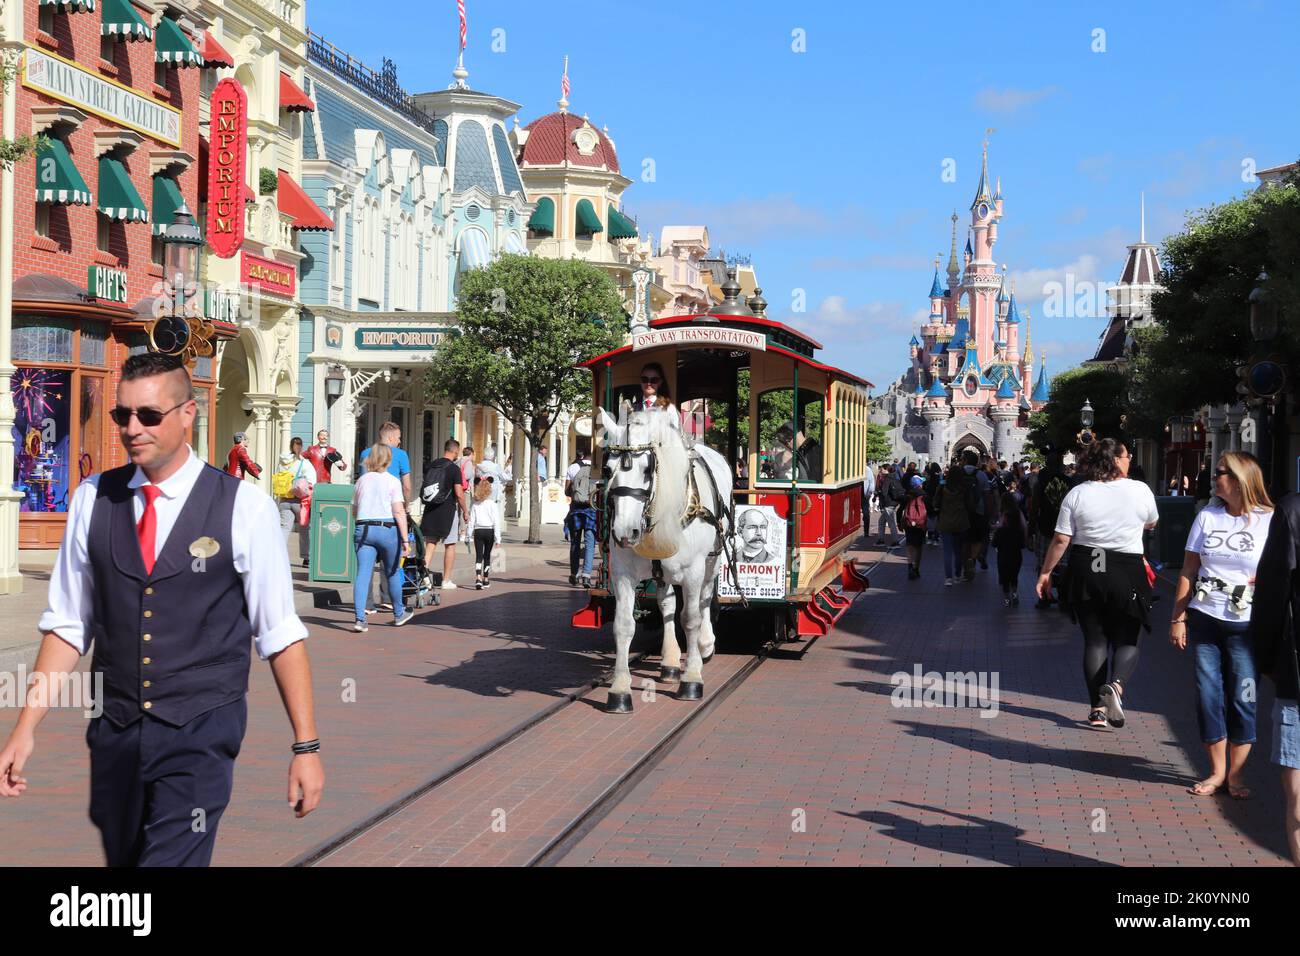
[149, 364]
[450, 445]
[757, 516]
[388, 428]
[970, 456]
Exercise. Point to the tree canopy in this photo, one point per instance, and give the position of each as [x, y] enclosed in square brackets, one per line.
[524, 324]
[1202, 318]
[1057, 424]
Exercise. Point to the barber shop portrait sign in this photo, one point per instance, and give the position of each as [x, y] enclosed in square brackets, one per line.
[225, 230]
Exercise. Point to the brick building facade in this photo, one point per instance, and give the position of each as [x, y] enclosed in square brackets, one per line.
[115, 87]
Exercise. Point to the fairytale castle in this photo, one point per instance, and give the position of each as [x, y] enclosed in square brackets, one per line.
[969, 385]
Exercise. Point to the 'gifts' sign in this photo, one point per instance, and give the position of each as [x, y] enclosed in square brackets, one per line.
[226, 168]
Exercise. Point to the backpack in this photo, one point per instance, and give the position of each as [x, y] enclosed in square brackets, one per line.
[1049, 507]
[954, 514]
[914, 514]
[437, 488]
[581, 486]
[282, 484]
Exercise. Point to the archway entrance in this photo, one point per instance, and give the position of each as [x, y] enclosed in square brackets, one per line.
[232, 385]
[969, 441]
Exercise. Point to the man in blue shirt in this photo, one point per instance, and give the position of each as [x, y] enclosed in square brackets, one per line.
[400, 467]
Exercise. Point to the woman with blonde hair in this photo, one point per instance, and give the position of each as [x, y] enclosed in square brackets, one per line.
[379, 507]
[1217, 582]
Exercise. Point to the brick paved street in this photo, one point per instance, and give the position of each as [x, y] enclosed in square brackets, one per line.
[425, 698]
[879, 784]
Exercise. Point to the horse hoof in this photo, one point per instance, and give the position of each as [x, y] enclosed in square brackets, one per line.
[618, 703]
[690, 690]
[667, 674]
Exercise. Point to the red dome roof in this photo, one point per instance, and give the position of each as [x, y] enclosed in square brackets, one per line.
[551, 141]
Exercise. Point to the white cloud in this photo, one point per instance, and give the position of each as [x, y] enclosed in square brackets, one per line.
[1030, 283]
[1009, 101]
[881, 322]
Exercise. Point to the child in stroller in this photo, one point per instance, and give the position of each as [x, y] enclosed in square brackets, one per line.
[419, 584]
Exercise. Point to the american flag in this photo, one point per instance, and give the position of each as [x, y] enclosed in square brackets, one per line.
[564, 80]
[460, 8]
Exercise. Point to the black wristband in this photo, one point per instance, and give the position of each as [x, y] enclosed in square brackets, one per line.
[306, 747]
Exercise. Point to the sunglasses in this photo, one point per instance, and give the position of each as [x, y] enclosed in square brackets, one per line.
[1222, 473]
[650, 381]
[149, 417]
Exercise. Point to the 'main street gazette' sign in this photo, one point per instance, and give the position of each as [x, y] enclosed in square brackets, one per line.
[64, 80]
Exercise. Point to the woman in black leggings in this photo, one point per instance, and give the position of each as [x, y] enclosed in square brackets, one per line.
[1106, 590]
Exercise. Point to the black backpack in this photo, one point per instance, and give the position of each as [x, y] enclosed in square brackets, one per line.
[439, 483]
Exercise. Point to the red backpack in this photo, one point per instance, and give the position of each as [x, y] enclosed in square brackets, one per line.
[914, 514]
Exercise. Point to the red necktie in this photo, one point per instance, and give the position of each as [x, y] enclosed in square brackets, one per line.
[147, 529]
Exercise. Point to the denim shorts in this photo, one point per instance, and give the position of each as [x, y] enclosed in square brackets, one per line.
[1286, 733]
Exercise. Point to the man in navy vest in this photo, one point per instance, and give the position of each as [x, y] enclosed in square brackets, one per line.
[173, 568]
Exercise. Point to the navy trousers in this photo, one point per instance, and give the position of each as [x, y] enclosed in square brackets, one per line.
[157, 792]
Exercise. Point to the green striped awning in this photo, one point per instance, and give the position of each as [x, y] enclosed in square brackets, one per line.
[57, 178]
[72, 6]
[166, 200]
[174, 47]
[620, 227]
[588, 221]
[120, 19]
[543, 217]
[118, 198]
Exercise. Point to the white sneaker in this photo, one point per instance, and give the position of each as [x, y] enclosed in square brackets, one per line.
[360, 627]
[448, 585]
[947, 582]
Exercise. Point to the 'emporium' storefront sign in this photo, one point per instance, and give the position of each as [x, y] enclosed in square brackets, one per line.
[272, 276]
[226, 168]
[413, 339]
[64, 80]
[700, 335]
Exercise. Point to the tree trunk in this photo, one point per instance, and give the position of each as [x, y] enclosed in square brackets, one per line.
[534, 491]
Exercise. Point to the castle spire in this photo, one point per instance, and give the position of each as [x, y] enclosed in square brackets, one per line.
[952, 256]
[982, 191]
[1029, 329]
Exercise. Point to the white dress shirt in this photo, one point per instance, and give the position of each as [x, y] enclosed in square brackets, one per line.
[255, 530]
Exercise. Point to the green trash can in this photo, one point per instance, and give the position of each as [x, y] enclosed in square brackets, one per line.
[333, 557]
[1176, 515]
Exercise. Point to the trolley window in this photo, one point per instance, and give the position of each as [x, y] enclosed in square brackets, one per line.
[790, 436]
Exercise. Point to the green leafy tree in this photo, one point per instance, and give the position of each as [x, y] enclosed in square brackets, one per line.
[878, 446]
[1201, 333]
[524, 324]
[1057, 423]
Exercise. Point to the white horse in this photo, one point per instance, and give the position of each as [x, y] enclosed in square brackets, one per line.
[663, 507]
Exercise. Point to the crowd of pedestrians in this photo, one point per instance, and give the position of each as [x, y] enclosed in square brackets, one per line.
[1086, 526]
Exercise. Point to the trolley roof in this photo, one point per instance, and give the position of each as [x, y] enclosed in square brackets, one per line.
[776, 337]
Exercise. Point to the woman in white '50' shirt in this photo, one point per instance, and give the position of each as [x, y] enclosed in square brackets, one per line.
[1217, 581]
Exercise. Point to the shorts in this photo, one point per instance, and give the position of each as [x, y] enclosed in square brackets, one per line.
[437, 523]
[915, 536]
[1286, 733]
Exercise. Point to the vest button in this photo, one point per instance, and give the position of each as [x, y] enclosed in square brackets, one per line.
[148, 590]
[148, 704]
[148, 660]
[148, 637]
[148, 613]
[147, 683]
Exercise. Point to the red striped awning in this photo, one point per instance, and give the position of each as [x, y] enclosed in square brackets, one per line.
[293, 98]
[293, 201]
[214, 54]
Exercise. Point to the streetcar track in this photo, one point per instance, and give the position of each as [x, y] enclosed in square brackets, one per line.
[572, 833]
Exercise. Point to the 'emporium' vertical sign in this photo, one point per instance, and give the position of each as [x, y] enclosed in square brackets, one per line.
[226, 159]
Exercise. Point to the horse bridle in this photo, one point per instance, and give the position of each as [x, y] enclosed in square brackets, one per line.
[625, 454]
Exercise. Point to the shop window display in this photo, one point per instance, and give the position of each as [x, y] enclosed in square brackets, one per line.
[41, 432]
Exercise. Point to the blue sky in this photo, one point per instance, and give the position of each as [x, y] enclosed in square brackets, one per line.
[826, 165]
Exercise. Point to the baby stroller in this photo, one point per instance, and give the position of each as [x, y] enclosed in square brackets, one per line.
[419, 589]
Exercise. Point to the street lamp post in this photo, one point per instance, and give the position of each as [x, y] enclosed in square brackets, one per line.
[1086, 419]
[180, 330]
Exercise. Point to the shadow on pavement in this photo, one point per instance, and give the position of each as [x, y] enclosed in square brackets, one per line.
[986, 840]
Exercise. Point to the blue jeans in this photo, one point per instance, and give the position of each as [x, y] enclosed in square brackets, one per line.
[581, 526]
[377, 544]
[954, 553]
[1225, 702]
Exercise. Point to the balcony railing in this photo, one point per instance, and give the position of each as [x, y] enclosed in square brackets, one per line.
[382, 86]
